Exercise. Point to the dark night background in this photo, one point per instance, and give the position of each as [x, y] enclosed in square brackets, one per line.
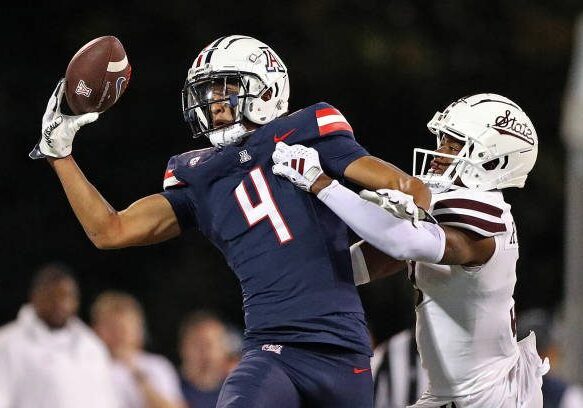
[387, 65]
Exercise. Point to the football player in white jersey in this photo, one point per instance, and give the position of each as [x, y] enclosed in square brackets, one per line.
[463, 266]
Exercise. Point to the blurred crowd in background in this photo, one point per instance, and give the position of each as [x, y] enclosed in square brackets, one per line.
[50, 358]
[170, 331]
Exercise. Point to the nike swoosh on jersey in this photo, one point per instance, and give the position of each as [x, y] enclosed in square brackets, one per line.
[281, 138]
[360, 370]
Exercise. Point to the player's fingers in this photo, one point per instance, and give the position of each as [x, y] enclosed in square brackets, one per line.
[86, 118]
[281, 147]
[385, 191]
[393, 200]
[411, 208]
[48, 115]
[59, 92]
[286, 172]
[279, 156]
[371, 196]
[278, 169]
[415, 218]
[52, 102]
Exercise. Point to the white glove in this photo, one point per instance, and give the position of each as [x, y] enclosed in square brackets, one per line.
[299, 164]
[396, 202]
[58, 130]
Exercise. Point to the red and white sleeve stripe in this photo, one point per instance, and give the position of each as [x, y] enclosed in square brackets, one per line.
[331, 120]
[479, 217]
[170, 180]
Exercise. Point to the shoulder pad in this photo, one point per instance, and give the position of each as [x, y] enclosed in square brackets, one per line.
[477, 211]
[188, 159]
[307, 125]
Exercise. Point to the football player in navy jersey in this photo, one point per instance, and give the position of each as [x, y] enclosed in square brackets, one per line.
[306, 342]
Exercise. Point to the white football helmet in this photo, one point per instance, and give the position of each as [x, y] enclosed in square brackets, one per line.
[500, 145]
[245, 76]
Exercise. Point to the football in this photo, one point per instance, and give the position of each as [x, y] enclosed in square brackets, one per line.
[97, 75]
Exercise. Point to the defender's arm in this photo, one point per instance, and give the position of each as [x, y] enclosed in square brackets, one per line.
[461, 248]
[146, 221]
[400, 239]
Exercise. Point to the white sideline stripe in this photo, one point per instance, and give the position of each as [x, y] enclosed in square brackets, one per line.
[326, 120]
[116, 66]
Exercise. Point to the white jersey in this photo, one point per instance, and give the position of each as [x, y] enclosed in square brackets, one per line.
[465, 316]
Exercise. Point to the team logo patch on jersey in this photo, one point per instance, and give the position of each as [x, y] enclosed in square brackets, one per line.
[194, 161]
[274, 348]
[244, 157]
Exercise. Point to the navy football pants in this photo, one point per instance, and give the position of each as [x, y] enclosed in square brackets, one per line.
[304, 376]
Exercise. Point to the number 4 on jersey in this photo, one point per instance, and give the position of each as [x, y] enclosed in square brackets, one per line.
[266, 208]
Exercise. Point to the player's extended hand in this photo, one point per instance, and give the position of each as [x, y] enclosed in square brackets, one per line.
[399, 204]
[299, 164]
[58, 130]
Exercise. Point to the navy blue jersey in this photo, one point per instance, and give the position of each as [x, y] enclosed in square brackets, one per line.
[288, 250]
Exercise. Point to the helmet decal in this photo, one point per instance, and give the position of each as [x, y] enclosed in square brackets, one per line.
[509, 125]
[272, 64]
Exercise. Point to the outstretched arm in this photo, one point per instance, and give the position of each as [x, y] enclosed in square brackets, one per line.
[400, 239]
[461, 248]
[147, 221]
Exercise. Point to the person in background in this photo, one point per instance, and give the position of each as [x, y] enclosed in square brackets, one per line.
[557, 393]
[235, 346]
[48, 357]
[206, 346]
[142, 379]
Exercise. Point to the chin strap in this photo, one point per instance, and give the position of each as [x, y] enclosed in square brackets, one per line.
[229, 135]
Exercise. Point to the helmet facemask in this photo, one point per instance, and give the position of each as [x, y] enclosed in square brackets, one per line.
[437, 182]
[218, 92]
[449, 179]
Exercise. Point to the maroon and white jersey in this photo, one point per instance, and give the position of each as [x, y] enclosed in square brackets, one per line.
[465, 317]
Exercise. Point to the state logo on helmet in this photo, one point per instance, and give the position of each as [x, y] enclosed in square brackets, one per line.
[238, 73]
[500, 145]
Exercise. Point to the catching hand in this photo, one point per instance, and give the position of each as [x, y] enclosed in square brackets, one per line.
[299, 164]
[58, 130]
